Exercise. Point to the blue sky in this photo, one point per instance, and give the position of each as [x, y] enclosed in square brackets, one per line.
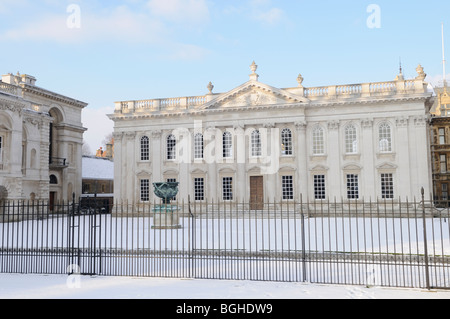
[140, 49]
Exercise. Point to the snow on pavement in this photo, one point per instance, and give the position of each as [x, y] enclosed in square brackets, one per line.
[16, 286]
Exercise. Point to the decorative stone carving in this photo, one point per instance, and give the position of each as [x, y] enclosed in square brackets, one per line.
[367, 123]
[421, 74]
[301, 125]
[156, 134]
[401, 121]
[333, 125]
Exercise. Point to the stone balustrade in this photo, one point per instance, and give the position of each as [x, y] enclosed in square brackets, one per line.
[10, 89]
[364, 90]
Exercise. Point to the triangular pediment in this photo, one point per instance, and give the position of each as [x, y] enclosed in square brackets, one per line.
[254, 94]
[387, 166]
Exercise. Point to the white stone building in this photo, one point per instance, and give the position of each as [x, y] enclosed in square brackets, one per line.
[260, 143]
[41, 135]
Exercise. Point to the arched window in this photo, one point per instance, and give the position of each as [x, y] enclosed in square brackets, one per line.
[227, 143]
[171, 147]
[385, 138]
[318, 141]
[53, 180]
[145, 150]
[351, 139]
[286, 142]
[198, 146]
[256, 143]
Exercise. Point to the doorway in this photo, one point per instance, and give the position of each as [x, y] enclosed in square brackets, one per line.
[256, 192]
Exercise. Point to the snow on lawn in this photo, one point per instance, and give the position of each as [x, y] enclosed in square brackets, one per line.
[16, 286]
[372, 235]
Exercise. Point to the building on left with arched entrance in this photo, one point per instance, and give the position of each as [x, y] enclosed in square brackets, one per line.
[41, 136]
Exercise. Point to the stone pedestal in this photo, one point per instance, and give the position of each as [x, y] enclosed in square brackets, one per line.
[166, 217]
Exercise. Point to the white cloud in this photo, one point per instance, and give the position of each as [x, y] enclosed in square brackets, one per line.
[191, 12]
[437, 80]
[118, 24]
[6, 6]
[270, 17]
[259, 10]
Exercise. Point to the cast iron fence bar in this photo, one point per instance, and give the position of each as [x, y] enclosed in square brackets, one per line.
[347, 242]
[427, 269]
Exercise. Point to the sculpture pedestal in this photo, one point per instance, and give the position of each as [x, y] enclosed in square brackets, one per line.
[166, 217]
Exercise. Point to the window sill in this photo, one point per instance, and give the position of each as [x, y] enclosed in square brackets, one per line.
[352, 157]
[386, 155]
[320, 157]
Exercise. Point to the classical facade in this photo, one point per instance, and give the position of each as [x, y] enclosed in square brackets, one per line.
[40, 141]
[258, 143]
[440, 145]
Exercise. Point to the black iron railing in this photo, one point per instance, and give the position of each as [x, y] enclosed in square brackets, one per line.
[386, 243]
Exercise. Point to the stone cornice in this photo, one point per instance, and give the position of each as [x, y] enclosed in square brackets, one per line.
[26, 88]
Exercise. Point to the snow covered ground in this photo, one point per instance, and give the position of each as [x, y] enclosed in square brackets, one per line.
[16, 286]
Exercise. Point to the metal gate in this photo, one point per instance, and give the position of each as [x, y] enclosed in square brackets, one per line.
[84, 240]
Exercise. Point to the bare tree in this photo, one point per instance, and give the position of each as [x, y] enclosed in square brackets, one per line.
[86, 149]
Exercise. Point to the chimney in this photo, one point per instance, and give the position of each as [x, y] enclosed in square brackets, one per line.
[110, 151]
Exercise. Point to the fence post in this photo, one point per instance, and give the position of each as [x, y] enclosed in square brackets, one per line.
[191, 217]
[425, 243]
[303, 239]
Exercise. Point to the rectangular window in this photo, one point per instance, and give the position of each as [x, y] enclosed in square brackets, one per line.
[441, 135]
[145, 148]
[145, 190]
[352, 186]
[199, 188]
[198, 146]
[256, 143]
[227, 188]
[444, 189]
[227, 143]
[287, 184]
[443, 163]
[319, 186]
[318, 141]
[387, 186]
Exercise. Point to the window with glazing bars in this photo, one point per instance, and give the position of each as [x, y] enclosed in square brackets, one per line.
[387, 186]
[351, 140]
[319, 186]
[287, 185]
[352, 186]
[286, 142]
[441, 135]
[256, 143]
[198, 146]
[145, 151]
[171, 147]
[227, 188]
[145, 190]
[318, 141]
[199, 188]
[227, 142]
[385, 138]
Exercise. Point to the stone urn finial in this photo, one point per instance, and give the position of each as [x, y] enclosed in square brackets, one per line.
[421, 74]
[253, 68]
[210, 87]
[300, 80]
